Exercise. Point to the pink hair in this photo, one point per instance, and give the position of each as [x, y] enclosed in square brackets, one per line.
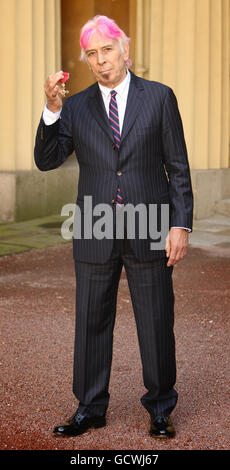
[105, 27]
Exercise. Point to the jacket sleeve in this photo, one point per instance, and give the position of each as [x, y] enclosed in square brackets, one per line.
[54, 143]
[176, 164]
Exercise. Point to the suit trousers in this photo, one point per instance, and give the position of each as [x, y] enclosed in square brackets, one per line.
[152, 295]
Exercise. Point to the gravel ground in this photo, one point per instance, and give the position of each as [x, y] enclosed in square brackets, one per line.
[37, 304]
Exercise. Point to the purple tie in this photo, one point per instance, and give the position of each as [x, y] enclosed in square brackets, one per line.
[114, 123]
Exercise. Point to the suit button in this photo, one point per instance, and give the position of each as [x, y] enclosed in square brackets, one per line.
[119, 173]
[113, 201]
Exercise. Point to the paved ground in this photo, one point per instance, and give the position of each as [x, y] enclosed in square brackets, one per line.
[37, 323]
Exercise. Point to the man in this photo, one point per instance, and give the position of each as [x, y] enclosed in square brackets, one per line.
[128, 138]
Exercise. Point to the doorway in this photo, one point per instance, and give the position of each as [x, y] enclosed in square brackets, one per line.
[74, 14]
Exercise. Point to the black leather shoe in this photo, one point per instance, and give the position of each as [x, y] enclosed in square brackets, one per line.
[161, 426]
[78, 424]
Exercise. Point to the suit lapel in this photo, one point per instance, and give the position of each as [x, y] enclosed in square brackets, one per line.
[134, 101]
[97, 109]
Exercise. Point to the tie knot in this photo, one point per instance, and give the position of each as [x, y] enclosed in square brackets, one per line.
[113, 93]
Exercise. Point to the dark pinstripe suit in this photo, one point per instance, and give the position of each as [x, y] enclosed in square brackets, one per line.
[154, 168]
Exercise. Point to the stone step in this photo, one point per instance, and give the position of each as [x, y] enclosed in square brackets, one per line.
[223, 207]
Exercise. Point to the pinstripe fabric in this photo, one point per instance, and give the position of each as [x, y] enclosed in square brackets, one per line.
[96, 307]
[152, 157]
[95, 316]
[153, 168]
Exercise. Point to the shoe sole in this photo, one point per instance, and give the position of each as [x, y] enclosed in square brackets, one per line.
[162, 436]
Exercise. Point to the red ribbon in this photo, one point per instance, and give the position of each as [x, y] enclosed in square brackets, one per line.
[65, 78]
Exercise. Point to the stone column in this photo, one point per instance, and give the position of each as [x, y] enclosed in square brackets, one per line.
[187, 48]
[30, 50]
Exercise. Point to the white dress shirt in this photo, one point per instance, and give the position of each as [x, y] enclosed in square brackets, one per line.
[49, 117]
[122, 94]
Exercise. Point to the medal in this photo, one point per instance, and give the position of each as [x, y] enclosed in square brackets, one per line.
[63, 90]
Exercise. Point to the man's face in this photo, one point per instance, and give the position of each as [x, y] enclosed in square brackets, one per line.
[106, 60]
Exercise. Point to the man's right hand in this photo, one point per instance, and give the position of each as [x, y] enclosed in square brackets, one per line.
[52, 91]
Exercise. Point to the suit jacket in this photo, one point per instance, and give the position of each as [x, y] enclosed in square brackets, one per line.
[151, 166]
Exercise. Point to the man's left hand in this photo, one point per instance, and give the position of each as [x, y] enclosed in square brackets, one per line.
[176, 245]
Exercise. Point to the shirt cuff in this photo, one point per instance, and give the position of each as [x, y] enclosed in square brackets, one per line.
[49, 117]
[185, 228]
